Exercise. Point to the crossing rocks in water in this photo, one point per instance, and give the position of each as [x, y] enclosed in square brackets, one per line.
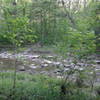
[43, 63]
[33, 66]
[21, 68]
[97, 61]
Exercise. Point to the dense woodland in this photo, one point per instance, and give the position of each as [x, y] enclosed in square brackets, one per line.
[47, 21]
[71, 28]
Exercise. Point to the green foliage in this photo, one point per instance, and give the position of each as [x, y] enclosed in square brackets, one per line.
[38, 87]
[44, 19]
[17, 31]
[78, 43]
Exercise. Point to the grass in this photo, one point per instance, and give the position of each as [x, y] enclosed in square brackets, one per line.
[38, 87]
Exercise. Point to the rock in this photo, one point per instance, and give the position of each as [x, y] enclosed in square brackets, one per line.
[97, 66]
[35, 56]
[44, 65]
[21, 68]
[64, 61]
[44, 72]
[33, 66]
[38, 61]
[97, 69]
[48, 61]
[1, 63]
[97, 73]
[91, 73]
[56, 63]
[31, 56]
[97, 61]
[66, 69]
[80, 64]
[49, 56]
[81, 69]
[57, 71]
[98, 80]
[67, 66]
[30, 71]
[76, 67]
[60, 77]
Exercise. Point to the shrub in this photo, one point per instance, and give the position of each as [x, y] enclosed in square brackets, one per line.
[77, 43]
[38, 87]
[17, 31]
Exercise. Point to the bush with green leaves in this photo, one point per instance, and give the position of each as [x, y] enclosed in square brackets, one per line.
[17, 31]
[39, 87]
[77, 43]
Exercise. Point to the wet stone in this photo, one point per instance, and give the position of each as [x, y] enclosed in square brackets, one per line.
[44, 72]
[49, 56]
[67, 66]
[44, 65]
[57, 71]
[35, 56]
[33, 62]
[59, 77]
[21, 68]
[66, 69]
[33, 66]
[80, 64]
[48, 61]
[97, 61]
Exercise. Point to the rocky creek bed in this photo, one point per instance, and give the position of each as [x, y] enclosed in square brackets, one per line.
[46, 62]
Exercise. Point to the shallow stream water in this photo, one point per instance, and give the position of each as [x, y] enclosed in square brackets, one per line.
[43, 62]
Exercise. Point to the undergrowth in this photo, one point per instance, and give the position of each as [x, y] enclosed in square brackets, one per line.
[39, 87]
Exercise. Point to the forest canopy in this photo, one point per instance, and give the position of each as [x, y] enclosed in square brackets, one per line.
[49, 21]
